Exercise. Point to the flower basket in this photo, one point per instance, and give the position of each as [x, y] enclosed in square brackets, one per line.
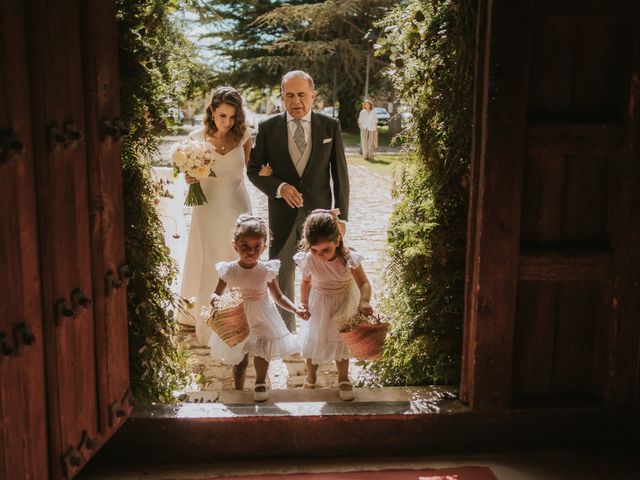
[364, 336]
[228, 319]
[230, 324]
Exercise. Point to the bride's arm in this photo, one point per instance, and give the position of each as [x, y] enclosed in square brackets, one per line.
[247, 151]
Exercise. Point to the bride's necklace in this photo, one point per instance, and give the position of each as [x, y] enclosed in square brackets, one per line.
[223, 144]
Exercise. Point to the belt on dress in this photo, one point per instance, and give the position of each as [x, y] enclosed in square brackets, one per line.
[333, 287]
[253, 294]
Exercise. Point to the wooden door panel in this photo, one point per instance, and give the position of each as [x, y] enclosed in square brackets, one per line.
[575, 290]
[23, 432]
[61, 173]
[577, 148]
[110, 274]
[579, 70]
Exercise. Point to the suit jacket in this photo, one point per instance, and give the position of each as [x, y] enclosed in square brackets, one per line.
[326, 162]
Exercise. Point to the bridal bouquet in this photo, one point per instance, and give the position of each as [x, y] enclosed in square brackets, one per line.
[196, 159]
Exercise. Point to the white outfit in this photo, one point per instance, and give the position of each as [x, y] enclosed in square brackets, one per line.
[334, 295]
[368, 123]
[211, 231]
[268, 335]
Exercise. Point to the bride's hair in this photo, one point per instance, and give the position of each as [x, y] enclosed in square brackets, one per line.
[251, 226]
[230, 96]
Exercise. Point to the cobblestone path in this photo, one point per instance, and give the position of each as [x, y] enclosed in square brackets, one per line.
[370, 209]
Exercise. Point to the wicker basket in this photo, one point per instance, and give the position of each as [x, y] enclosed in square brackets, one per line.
[366, 340]
[230, 324]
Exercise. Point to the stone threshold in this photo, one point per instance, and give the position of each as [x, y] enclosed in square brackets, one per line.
[318, 402]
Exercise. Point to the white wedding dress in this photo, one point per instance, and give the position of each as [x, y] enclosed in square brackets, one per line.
[211, 232]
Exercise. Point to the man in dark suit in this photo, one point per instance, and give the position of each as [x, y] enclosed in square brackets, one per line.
[306, 154]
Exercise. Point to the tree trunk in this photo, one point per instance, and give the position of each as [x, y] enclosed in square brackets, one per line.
[348, 112]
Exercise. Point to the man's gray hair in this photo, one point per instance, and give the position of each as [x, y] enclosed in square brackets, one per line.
[296, 73]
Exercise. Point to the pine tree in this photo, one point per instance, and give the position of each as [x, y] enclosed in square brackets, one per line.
[260, 40]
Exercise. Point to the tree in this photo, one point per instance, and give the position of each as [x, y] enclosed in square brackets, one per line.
[261, 40]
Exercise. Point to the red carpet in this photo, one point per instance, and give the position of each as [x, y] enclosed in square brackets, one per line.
[461, 473]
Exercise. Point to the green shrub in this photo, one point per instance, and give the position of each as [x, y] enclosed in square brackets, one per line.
[152, 55]
[431, 46]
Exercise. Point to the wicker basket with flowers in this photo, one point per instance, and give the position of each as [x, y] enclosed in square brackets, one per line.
[226, 317]
[364, 335]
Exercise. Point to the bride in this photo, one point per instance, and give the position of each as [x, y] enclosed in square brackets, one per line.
[227, 198]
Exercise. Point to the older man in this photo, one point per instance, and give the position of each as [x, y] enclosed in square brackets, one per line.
[306, 154]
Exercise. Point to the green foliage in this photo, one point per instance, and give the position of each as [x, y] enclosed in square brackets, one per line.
[431, 47]
[264, 39]
[153, 65]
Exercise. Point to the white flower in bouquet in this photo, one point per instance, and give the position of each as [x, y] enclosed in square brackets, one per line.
[195, 158]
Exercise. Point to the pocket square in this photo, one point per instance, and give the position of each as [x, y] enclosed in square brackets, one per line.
[327, 140]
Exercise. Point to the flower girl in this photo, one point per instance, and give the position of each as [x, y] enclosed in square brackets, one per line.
[268, 336]
[333, 286]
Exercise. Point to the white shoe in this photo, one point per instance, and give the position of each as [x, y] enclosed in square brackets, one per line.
[260, 396]
[347, 394]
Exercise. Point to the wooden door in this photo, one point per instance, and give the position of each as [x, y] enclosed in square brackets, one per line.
[75, 103]
[23, 432]
[59, 130]
[110, 274]
[552, 290]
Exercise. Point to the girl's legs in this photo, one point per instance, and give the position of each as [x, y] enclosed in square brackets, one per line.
[344, 386]
[262, 367]
[239, 373]
[343, 370]
[312, 370]
[260, 393]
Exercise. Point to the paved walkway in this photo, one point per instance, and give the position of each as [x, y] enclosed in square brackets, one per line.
[370, 209]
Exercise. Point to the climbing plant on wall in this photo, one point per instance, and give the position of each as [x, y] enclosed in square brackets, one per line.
[431, 46]
[154, 65]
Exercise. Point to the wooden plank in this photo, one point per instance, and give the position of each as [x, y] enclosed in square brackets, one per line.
[575, 138]
[551, 71]
[542, 199]
[497, 235]
[534, 338]
[480, 84]
[601, 69]
[585, 216]
[578, 312]
[588, 8]
[22, 382]
[564, 266]
[623, 339]
[61, 174]
[100, 70]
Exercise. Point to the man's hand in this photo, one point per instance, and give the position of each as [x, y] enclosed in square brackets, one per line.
[291, 195]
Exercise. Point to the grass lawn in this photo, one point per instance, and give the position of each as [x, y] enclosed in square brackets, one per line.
[388, 164]
[353, 139]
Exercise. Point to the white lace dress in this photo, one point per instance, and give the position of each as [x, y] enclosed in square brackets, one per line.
[334, 295]
[211, 231]
[268, 337]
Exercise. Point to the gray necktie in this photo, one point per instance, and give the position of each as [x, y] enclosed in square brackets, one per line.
[298, 137]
